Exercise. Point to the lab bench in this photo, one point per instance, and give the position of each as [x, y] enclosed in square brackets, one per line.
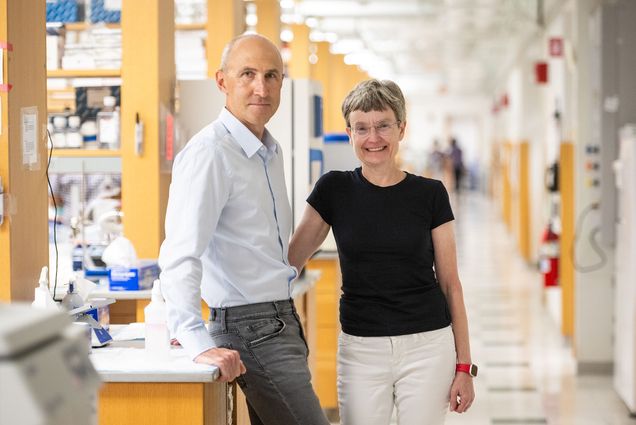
[138, 390]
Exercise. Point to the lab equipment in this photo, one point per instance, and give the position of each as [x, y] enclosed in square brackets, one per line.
[90, 313]
[46, 377]
[72, 299]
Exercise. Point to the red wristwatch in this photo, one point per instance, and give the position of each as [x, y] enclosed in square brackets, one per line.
[468, 368]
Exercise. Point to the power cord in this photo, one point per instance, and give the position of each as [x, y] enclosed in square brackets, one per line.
[48, 180]
[593, 243]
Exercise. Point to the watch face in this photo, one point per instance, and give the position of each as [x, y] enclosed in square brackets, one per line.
[473, 370]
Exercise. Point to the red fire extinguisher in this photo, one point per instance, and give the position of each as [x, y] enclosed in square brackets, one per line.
[549, 257]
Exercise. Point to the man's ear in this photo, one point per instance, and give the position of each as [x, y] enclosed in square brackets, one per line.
[220, 81]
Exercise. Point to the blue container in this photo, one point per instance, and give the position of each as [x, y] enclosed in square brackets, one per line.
[134, 278]
[99, 12]
[62, 11]
[336, 138]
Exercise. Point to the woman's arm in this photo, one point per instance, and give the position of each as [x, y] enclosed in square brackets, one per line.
[448, 277]
[309, 234]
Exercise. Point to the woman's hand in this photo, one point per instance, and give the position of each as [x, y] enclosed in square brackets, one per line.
[462, 393]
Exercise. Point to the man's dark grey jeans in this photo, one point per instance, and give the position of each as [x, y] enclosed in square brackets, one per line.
[272, 346]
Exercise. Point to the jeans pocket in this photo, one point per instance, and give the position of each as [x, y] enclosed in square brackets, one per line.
[302, 333]
[257, 331]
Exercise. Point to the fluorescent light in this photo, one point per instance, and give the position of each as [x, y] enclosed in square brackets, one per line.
[287, 35]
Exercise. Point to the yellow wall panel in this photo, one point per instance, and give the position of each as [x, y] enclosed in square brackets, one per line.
[226, 20]
[268, 13]
[566, 267]
[524, 201]
[24, 233]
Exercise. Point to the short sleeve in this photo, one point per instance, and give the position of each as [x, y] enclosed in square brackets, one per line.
[442, 211]
[320, 197]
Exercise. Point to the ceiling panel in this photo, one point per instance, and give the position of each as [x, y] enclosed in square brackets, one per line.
[455, 46]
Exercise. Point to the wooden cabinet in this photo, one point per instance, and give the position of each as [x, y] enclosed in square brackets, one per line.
[327, 295]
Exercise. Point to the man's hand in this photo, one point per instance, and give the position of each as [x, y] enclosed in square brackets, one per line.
[228, 361]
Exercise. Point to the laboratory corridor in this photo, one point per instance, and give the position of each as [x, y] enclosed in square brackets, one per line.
[527, 371]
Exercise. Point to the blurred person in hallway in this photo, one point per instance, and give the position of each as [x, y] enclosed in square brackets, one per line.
[435, 162]
[228, 224]
[404, 339]
[455, 155]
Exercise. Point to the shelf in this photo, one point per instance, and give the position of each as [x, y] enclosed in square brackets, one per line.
[189, 27]
[76, 161]
[86, 153]
[83, 26]
[83, 73]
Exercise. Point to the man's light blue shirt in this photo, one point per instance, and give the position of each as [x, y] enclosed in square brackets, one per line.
[228, 224]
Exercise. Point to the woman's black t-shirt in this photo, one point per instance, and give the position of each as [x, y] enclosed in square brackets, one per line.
[386, 253]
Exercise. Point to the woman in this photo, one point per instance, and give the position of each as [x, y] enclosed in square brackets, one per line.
[401, 289]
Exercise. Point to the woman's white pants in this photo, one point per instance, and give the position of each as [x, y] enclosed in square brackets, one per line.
[411, 372]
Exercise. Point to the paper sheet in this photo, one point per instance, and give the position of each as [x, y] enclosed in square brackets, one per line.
[29, 135]
[133, 331]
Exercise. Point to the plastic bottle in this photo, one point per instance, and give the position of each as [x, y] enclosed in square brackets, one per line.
[72, 299]
[58, 137]
[73, 136]
[88, 130]
[157, 336]
[43, 298]
[108, 124]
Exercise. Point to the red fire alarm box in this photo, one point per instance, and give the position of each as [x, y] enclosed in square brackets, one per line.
[555, 46]
[541, 72]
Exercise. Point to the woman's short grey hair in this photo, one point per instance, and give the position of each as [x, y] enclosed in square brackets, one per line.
[375, 95]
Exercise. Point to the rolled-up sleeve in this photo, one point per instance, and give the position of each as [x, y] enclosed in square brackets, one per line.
[199, 190]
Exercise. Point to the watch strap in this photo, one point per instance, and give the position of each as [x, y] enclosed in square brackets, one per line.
[468, 368]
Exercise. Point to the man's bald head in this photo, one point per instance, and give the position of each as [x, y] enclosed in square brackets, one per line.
[236, 42]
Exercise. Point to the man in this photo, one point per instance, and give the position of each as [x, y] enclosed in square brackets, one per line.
[227, 230]
[456, 156]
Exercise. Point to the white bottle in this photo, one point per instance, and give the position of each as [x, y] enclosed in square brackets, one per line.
[157, 335]
[108, 124]
[73, 136]
[43, 298]
[58, 137]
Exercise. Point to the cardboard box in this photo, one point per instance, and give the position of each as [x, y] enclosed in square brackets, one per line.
[133, 278]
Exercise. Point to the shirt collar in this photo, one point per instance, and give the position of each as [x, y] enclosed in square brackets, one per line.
[244, 137]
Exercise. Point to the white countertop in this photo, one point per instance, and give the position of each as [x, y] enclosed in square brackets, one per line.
[101, 292]
[126, 361]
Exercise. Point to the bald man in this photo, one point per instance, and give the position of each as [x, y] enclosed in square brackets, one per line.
[227, 230]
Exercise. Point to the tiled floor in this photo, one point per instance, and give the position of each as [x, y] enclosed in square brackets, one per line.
[527, 373]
